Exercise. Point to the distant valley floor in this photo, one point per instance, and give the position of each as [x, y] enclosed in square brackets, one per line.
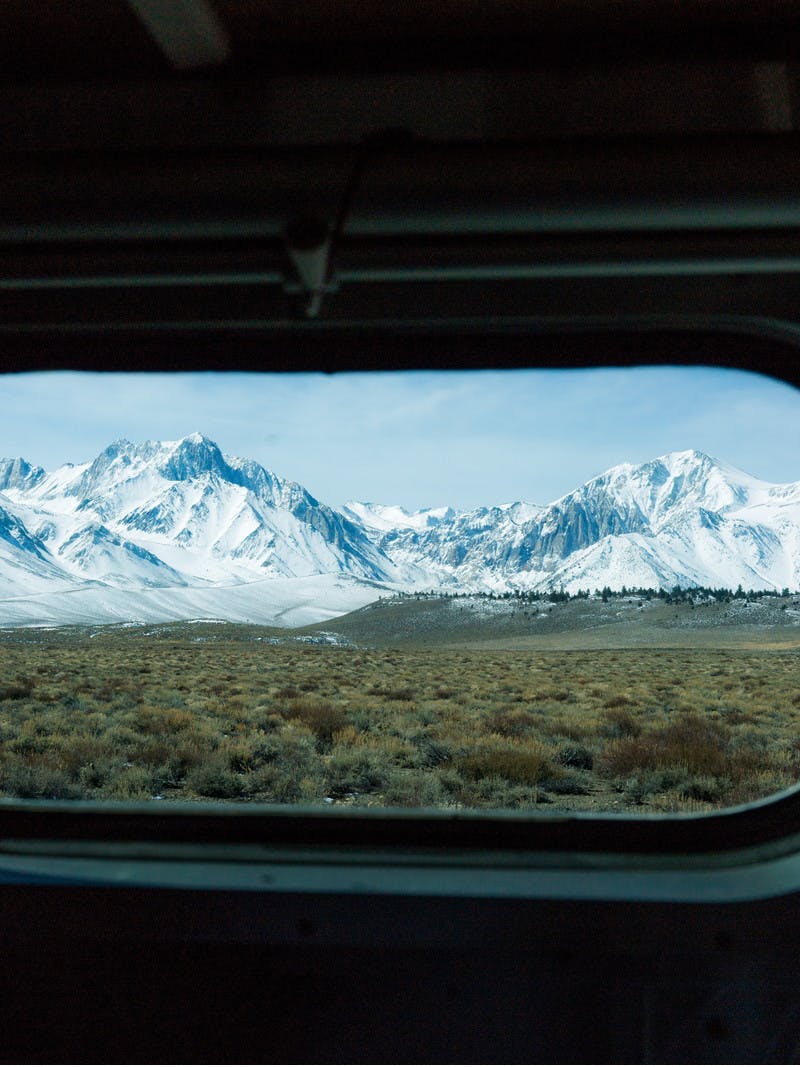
[629, 622]
[439, 621]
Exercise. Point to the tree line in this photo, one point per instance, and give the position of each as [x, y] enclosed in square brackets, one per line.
[677, 594]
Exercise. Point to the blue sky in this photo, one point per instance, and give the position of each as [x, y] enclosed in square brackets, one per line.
[419, 439]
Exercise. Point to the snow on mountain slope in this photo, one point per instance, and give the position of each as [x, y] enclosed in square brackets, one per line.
[273, 602]
[384, 517]
[25, 565]
[682, 519]
[177, 512]
[19, 474]
[176, 529]
[101, 555]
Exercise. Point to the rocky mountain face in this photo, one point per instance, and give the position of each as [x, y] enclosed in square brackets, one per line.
[681, 519]
[182, 515]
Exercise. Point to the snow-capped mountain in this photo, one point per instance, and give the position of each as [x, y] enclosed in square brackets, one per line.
[173, 515]
[180, 512]
[178, 529]
[682, 519]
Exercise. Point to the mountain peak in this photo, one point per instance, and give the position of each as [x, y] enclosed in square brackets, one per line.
[689, 457]
[17, 473]
[192, 456]
[197, 438]
[685, 479]
[678, 462]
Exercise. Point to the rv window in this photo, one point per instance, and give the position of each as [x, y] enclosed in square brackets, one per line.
[538, 590]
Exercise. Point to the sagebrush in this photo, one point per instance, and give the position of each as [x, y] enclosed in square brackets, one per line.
[234, 718]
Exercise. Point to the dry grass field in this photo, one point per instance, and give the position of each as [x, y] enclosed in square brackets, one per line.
[214, 712]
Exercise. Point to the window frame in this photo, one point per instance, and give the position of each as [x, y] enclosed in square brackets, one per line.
[764, 832]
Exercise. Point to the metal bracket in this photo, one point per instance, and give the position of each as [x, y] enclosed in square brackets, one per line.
[309, 242]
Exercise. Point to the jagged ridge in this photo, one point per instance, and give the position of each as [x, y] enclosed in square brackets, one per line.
[183, 514]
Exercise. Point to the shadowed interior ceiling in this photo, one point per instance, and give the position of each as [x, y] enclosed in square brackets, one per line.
[158, 160]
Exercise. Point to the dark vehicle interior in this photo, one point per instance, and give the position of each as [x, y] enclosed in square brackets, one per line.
[254, 185]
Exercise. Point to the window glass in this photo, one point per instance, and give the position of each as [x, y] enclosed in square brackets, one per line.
[539, 590]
